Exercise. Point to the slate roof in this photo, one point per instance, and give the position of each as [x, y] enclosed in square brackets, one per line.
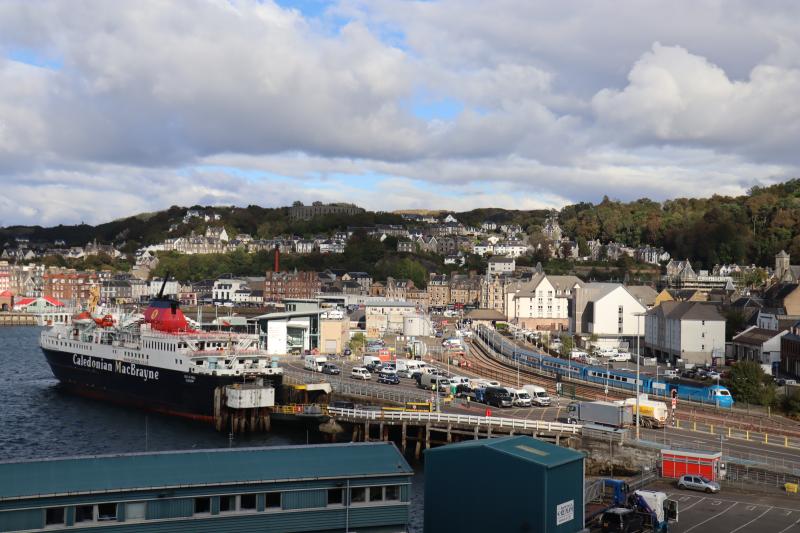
[202, 467]
[755, 336]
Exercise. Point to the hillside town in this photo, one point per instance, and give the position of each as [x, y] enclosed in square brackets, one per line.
[739, 319]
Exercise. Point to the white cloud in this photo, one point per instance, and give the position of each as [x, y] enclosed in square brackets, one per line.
[562, 102]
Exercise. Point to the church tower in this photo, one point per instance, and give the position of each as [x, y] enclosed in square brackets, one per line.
[781, 265]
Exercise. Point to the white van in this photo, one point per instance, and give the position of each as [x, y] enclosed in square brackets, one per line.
[314, 362]
[407, 367]
[359, 372]
[538, 394]
[519, 397]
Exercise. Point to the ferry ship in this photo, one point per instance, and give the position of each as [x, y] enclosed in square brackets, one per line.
[155, 361]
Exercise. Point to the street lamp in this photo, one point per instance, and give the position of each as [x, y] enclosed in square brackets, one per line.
[607, 370]
[638, 357]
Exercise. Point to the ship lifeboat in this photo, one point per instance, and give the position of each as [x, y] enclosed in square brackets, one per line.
[83, 318]
[106, 322]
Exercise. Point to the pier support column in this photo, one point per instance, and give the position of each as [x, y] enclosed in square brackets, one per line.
[366, 431]
[355, 433]
[418, 447]
[403, 437]
[449, 434]
[427, 436]
[476, 431]
[380, 428]
[489, 432]
[558, 439]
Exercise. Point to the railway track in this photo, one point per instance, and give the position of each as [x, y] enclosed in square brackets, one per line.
[506, 372]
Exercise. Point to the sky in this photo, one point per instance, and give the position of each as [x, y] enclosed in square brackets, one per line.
[109, 109]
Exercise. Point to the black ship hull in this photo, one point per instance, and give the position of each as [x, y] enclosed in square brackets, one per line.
[171, 392]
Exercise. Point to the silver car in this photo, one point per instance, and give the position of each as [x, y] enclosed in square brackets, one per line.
[697, 482]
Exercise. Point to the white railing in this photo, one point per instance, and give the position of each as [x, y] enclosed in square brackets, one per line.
[447, 418]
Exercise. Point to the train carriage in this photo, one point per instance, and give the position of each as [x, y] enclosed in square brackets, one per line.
[714, 394]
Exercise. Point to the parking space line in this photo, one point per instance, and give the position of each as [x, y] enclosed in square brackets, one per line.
[692, 505]
[790, 526]
[751, 521]
[711, 518]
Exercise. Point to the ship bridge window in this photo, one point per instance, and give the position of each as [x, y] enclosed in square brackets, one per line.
[247, 502]
[227, 504]
[106, 512]
[54, 516]
[273, 500]
[199, 363]
[202, 505]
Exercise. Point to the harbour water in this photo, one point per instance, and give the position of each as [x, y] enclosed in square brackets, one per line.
[39, 420]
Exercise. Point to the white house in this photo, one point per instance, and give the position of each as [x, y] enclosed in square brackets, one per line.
[225, 290]
[608, 311]
[543, 303]
[760, 345]
[510, 248]
[691, 331]
[482, 248]
[501, 265]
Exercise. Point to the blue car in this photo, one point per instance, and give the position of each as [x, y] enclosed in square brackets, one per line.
[390, 379]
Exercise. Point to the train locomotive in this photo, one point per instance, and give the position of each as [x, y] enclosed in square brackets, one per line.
[718, 395]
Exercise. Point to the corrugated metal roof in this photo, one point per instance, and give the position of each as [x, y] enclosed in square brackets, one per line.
[521, 446]
[202, 467]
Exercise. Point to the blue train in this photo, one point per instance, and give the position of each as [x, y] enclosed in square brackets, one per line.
[713, 394]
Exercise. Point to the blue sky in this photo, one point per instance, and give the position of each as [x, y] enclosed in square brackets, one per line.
[448, 104]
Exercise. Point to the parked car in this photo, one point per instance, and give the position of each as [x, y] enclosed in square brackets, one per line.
[347, 352]
[713, 374]
[330, 368]
[388, 378]
[374, 367]
[621, 520]
[698, 482]
[359, 372]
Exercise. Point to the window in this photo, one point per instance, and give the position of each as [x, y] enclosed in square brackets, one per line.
[335, 496]
[273, 500]
[227, 504]
[358, 495]
[202, 505]
[135, 511]
[106, 512]
[376, 494]
[54, 516]
[84, 513]
[247, 502]
[392, 493]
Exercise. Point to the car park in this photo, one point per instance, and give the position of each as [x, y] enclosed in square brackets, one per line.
[698, 482]
[359, 372]
[332, 369]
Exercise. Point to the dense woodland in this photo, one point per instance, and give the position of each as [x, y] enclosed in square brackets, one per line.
[744, 229]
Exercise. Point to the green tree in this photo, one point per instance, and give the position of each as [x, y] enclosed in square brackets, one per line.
[567, 344]
[357, 342]
[748, 383]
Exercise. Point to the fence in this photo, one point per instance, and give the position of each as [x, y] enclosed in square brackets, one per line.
[445, 418]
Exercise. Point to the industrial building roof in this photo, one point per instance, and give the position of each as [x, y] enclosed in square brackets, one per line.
[116, 473]
[522, 447]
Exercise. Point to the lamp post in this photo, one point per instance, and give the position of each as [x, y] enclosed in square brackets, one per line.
[638, 358]
[607, 370]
